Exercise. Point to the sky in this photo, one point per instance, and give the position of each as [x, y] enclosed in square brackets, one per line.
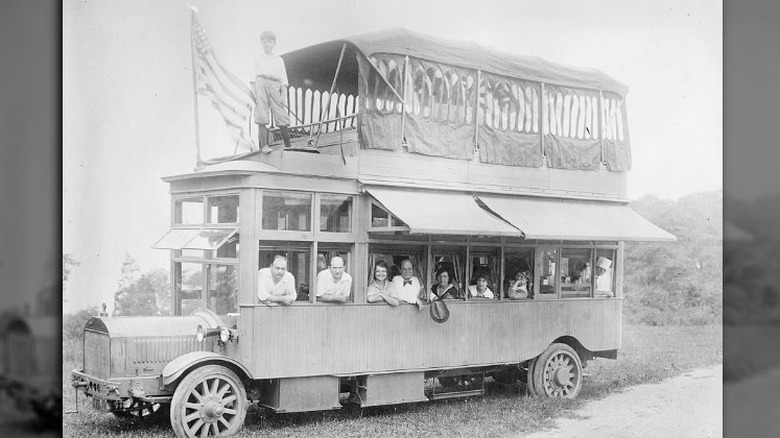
[128, 116]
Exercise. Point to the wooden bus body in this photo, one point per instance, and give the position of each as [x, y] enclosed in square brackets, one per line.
[389, 181]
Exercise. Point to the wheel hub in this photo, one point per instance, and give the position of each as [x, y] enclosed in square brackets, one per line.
[212, 409]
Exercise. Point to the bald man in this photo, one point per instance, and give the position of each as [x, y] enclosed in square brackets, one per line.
[275, 285]
[333, 284]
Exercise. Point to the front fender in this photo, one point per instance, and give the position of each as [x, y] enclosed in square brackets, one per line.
[177, 367]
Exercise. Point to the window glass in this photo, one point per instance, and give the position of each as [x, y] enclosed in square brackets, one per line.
[298, 263]
[223, 209]
[192, 253]
[286, 211]
[603, 272]
[486, 262]
[379, 217]
[518, 273]
[576, 272]
[210, 238]
[188, 211]
[336, 213]
[548, 275]
[188, 279]
[223, 289]
[229, 249]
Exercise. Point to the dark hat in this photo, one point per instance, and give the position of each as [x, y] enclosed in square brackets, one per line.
[439, 311]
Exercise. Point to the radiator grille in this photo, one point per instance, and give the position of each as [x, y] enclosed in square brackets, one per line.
[150, 355]
[97, 354]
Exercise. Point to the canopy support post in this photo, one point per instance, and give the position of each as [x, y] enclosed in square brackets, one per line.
[403, 103]
[476, 112]
[330, 95]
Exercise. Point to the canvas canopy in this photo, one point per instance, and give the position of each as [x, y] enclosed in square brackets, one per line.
[448, 98]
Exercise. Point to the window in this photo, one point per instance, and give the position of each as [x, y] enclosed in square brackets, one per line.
[381, 218]
[576, 272]
[548, 272]
[486, 262]
[603, 269]
[452, 260]
[223, 209]
[394, 255]
[286, 211]
[188, 211]
[188, 279]
[223, 289]
[336, 213]
[298, 263]
[518, 273]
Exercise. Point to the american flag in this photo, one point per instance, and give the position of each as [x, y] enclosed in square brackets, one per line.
[228, 95]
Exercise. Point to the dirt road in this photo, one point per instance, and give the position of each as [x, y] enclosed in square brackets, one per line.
[689, 405]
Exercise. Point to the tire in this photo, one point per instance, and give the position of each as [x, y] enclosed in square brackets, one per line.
[529, 378]
[557, 372]
[210, 401]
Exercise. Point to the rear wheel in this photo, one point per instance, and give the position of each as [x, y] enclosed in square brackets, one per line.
[210, 401]
[557, 372]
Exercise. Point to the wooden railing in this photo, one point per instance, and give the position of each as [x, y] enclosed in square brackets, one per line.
[307, 109]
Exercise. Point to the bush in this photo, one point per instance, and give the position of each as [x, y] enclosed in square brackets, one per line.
[73, 323]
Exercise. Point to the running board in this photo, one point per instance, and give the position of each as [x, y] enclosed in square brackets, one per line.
[456, 394]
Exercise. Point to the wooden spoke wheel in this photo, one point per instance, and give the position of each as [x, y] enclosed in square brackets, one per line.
[557, 372]
[210, 401]
[132, 408]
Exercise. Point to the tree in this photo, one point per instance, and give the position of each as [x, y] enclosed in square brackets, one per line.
[142, 295]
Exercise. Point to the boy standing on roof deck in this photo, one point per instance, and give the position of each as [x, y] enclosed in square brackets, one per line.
[270, 87]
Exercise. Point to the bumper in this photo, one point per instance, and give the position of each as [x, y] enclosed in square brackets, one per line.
[144, 388]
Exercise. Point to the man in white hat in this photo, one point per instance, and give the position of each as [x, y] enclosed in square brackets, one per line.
[604, 277]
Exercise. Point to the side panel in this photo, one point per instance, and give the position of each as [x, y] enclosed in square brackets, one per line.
[326, 339]
[301, 394]
[390, 389]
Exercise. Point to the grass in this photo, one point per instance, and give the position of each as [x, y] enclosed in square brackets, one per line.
[649, 354]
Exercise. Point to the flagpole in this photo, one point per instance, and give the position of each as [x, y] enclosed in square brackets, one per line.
[199, 161]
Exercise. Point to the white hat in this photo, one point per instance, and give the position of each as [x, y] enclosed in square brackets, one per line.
[604, 262]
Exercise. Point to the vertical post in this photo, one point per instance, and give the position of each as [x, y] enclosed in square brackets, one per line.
[403, 102]
[330, 95]
[542, 115]
[198, 159]
[476, 112]
[502, 272]
[316, 209]
[601, 126]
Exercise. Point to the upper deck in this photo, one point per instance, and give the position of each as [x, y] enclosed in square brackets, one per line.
[399, 108]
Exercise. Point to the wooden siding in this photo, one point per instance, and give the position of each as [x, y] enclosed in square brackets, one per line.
[398, 167]
[326, 339]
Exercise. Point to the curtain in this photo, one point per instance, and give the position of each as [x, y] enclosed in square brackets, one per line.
[570, 125]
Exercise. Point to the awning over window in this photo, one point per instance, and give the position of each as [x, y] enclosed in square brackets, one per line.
[575, 220]
[195, 238]
[441, 213]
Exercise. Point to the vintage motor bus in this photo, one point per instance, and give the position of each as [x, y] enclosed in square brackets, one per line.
[446, 154]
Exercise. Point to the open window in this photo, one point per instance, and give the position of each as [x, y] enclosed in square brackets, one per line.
[576, 272]
[298, 255]
[518, 273]
[485, 263]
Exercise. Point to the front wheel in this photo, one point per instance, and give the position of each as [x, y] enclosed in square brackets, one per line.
[557, 372]
[210, 401]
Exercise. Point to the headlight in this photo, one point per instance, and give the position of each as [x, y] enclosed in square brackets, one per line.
[224, 335]
[200, 335]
